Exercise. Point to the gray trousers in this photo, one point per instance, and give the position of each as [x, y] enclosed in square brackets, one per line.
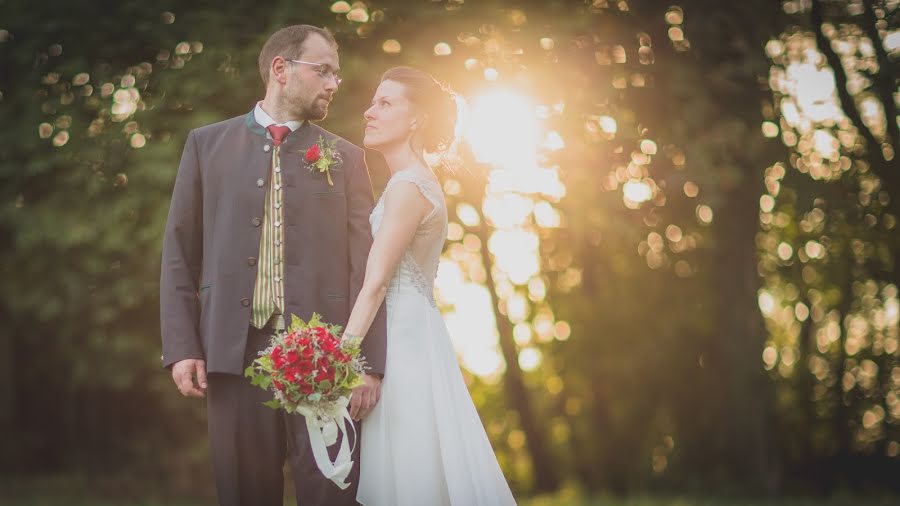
[249, 444]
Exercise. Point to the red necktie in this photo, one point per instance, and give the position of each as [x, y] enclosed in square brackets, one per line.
[278, 133]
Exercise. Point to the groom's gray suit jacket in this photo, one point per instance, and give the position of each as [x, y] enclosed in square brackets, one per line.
[212, 235]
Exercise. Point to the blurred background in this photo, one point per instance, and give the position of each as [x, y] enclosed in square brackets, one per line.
[671, 271]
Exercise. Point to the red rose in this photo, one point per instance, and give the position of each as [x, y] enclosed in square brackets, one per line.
[313, 154]
[293, 356]
[325, 374]
[329, 344]
[307, 388]
[277, 358]
[305, 367]
[278, 385]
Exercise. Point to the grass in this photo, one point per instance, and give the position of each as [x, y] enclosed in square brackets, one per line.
[88, 500]
[675, 500]
[78, 491]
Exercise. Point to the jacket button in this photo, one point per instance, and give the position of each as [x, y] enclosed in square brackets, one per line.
[245, 302]
[260, 182]
[256, 222]
[251, 261]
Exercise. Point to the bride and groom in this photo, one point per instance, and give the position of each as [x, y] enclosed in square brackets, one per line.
[253, 236]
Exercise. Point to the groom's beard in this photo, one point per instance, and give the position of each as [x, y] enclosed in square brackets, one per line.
[317, 109]
[302, 109]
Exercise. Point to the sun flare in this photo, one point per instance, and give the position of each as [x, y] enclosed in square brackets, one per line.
[504, 131]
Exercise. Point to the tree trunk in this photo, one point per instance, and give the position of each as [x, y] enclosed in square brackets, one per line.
[742, 335]
[545, 478]
[723, 39]
[7, 396]
[8, 375]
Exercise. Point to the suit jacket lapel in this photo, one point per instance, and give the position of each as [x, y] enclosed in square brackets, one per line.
[301, 139]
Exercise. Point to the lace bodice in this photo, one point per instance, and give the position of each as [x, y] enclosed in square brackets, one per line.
[419, 264]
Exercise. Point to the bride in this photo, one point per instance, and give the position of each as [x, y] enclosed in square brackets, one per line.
[423, 442]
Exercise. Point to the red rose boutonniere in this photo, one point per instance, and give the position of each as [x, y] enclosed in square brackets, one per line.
[313, 153]
[322, 156]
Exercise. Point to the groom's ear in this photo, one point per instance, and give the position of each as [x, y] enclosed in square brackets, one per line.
[278, 70]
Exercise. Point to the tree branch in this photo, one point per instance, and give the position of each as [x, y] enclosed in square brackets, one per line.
[884, 80]
[848, 104]
[881, 167]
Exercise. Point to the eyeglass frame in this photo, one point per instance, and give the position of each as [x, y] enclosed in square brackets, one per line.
[337, 79]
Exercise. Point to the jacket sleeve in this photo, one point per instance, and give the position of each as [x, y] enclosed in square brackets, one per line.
[182, 256]
[360, 202]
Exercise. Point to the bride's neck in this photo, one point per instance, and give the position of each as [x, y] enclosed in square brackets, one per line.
[401, 157]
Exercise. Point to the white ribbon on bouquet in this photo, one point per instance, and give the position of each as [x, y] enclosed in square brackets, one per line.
[323, 428]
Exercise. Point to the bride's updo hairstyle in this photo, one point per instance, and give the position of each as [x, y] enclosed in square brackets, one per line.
[432, 99]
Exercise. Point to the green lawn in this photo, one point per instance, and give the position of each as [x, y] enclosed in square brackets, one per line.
[68, 491]
[640, 500]
[86, 499]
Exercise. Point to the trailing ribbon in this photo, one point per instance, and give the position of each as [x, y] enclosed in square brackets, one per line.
[323, 432]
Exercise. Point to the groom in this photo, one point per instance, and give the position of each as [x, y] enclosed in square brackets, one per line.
[253, 237]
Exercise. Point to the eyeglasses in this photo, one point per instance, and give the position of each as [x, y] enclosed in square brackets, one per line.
[324, 71]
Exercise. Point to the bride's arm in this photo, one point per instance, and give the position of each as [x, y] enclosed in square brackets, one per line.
[404, 208]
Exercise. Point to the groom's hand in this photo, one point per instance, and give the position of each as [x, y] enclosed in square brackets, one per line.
[364, 397]
[183, 373]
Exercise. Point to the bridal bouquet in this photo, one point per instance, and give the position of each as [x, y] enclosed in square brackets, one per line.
[311, 372]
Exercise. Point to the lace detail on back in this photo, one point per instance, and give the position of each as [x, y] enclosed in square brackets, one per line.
[409, 270]
[418, 267]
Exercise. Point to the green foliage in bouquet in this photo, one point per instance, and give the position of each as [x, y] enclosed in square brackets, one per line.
[307, 365]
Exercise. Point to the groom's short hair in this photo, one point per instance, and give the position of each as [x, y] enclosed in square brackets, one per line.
[288, 42]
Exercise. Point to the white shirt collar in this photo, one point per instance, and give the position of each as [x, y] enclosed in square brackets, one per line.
[263, 118]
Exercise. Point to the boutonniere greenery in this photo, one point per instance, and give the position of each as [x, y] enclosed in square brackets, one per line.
[322, 157]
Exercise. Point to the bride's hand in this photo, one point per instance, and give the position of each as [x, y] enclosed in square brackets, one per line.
[364, 397]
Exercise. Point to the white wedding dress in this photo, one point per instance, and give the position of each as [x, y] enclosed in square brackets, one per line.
[424, 444]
